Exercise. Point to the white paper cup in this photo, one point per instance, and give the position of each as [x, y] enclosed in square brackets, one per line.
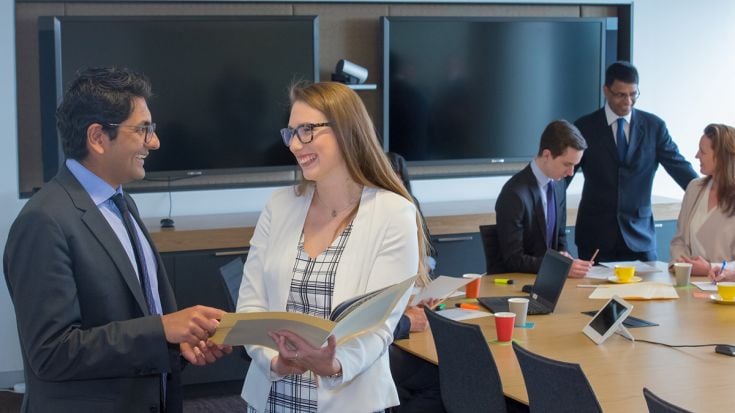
[518, 306]
[682, 273]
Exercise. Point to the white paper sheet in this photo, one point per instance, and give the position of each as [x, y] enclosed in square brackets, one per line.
[598, 272]
[705, 285]
[640, 266]
[440, 288]
[459, 314]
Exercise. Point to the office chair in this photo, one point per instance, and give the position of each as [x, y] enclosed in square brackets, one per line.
[232, 276]
[468, 377]
[555, 386]
[490, 243]
[659, 405]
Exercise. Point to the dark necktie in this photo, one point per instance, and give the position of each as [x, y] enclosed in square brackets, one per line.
[622, 142]
[145, 284]
[550, 213]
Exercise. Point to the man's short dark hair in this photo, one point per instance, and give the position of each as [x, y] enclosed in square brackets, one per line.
[560, 135]
[97, 95]
[621, 71]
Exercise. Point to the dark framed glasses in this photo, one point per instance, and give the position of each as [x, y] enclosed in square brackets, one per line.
[146, 130]
[304, 131]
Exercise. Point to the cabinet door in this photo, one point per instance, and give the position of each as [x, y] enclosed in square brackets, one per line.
[196, 280]
[665, 231]
[459, 254]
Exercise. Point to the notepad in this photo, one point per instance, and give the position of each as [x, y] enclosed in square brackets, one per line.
[637, 291]
[705, 285]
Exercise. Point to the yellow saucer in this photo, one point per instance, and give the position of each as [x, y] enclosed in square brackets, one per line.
[614, 279]
[719, 300]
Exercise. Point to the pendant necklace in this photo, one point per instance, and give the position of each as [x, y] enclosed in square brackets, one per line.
[334, 212]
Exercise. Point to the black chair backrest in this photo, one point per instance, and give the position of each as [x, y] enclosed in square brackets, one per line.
[659, 405]
[555, 386]
[490, 243]
[232, 276]
[468, 376]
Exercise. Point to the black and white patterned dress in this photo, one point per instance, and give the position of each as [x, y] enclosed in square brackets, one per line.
[312, 285]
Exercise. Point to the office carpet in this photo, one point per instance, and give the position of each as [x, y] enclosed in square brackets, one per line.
[10, 403]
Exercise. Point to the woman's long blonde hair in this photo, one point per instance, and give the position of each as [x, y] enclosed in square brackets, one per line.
[366, 162]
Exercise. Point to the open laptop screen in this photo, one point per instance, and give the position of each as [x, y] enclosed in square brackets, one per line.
[551, 277]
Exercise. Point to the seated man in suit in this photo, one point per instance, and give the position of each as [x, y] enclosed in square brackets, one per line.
[626, 146]
[96, 315]
[531, 208]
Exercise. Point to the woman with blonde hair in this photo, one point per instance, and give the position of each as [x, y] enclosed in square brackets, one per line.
[348, 228]
[705, 235]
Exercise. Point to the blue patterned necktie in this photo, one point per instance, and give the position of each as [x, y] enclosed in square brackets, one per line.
[122, 206]
[550, 213]
[622, 142]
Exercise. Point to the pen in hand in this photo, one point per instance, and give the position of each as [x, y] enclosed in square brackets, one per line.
[722, 269]
[592, 259]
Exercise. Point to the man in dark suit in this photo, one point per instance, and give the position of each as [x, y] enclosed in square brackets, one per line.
[531, 208]
[626, 145]
[96, 315]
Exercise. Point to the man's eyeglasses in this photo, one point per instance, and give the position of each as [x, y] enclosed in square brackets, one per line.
[146, 130]
[305, 132]
[620, 96]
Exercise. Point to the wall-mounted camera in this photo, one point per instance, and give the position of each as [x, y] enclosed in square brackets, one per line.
[350, 73]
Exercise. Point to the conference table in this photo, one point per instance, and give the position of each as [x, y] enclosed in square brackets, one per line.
[697, 379]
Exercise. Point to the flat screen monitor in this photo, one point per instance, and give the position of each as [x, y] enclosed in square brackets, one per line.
[220, 83]
[483, 89]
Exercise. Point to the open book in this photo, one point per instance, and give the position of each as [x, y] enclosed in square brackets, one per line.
[352, 317]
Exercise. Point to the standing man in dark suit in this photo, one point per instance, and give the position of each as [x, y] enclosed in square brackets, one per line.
[97, 320]
[626, 145]
[531, 210]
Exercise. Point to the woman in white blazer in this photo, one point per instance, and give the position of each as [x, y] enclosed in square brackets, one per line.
[349, 228]
[705, 233]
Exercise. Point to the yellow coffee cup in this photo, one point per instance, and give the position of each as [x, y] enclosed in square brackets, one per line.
[726, 290]
[624, 273]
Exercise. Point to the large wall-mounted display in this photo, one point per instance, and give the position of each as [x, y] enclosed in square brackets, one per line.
[220, 83]
[483, 89]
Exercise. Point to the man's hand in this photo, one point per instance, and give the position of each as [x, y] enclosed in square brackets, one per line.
[191, 325]
[579, 268]
[204, 353]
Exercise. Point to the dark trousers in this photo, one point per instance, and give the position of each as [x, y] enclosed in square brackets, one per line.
[619, 252]
[417, 381]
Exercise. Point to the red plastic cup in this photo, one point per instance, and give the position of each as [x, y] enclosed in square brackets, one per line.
[504, 326]
[472, 290]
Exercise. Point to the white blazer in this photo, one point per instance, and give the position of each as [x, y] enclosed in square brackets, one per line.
[382, 250]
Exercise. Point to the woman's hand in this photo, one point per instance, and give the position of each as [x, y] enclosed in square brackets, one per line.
[295, 352]
[416, 314]
[700, 266]
[727, 275]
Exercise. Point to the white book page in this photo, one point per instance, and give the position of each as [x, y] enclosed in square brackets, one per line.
[440, 288]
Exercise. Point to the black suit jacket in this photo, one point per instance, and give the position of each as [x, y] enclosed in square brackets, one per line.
[521, 223]
[88, 342]
[618, 195]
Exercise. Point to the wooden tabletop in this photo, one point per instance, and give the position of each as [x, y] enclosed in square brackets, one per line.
[697, 379]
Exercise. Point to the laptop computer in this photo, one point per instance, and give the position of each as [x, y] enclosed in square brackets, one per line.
[546, 290]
